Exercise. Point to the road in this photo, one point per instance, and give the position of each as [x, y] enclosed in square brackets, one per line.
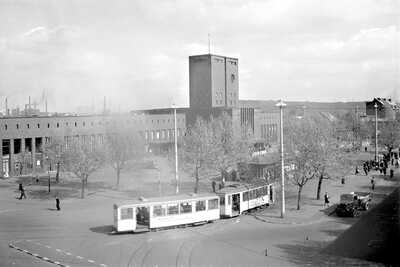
[78, 236]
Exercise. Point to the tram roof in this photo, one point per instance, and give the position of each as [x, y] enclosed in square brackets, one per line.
[235, 187]
[156, 200]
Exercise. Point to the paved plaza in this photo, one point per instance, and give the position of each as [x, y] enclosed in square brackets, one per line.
[33, 233]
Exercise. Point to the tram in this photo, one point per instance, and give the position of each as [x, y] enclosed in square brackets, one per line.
[232, 200]
[237, 198]
[146, 214]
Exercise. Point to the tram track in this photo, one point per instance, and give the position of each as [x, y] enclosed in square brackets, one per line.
[136, 251]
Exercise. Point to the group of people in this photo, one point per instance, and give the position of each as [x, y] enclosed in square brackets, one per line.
[23, 195]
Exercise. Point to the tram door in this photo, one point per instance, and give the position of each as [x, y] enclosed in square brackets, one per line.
[142, 217]
[235, 204]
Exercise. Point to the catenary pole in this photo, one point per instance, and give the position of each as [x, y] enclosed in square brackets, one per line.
[280, 104]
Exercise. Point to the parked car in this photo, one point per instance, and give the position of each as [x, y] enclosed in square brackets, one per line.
[352, 204]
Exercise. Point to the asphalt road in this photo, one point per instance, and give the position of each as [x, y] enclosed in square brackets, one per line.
[78, 236]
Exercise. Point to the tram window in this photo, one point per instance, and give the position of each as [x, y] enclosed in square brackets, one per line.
[186, 207]
[173, 209]
[222, 200]
[213, 204]
[245, 196]
[253, 194]
[200, 205]
[159, 211]
[229, 199]
[259, 193]
[126, 213]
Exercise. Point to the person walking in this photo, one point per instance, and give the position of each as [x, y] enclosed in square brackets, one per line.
[326, 199]
[58, 203]
[357, 172]
[365, 169]
[373, 183]
[213, 184]
[22, 191]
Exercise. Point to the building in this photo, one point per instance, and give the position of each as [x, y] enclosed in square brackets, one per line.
[386, 109]
[22, 138]
[214, 89]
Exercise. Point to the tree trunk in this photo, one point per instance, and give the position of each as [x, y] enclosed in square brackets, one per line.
[58, 172]
[118, 175]
[196, 174]
[299, 197]
[321, 177]
[83, 187]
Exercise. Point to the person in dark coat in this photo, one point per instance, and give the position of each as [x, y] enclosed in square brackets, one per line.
[357, 172]
[58, 203]
[326, 199]
[22, 190]
[373, 183]
[213, 184]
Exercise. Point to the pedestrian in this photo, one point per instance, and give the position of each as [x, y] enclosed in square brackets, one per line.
[343, 180]
[326, 199]
[213, 184]
[21, 189]
[384, 171]
[357, 170]
[365, 169]
[373, 183]
[58, 203]
[391, 173]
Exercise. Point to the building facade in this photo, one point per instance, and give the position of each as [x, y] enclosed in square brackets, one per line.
[386, 109]
[213, 89]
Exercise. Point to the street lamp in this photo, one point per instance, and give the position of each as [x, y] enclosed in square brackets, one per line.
[376, 131]
[176, 151]
[281, 105]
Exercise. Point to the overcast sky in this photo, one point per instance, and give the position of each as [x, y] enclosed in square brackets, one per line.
[136, 52]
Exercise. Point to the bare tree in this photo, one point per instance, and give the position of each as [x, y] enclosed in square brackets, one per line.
[230, 144]
[82, 159]
[196, 148]
[389, 135]
[123, 143]
[301, 136]
[52, 150]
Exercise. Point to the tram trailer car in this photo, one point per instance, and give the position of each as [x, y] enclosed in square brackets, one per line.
[146, 214]
[237, 198]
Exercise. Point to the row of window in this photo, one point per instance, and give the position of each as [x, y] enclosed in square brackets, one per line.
[57, 125]
[269, 132]
[174, 209]
[168, 120]
[162, 134]
[255, 193]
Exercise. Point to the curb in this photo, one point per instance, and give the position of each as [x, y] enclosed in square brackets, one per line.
[38, 256]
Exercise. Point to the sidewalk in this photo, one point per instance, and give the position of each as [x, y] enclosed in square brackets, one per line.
[313, 210]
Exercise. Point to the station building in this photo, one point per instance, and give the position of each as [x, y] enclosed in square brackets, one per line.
[213, 89]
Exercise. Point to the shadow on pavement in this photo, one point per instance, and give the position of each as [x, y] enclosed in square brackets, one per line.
[309, 254]
[104, 229]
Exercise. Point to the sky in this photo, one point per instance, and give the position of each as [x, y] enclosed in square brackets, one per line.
[136, 52]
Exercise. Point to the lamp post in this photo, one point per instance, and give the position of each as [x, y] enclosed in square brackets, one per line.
[376, 132]
[281, 105]
[176, 151]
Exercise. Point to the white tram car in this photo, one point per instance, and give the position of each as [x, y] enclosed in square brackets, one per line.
[147, 214]
[237, 198]
[229, 201]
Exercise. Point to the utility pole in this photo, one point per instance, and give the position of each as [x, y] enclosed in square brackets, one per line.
[376, 132]
[176, 152]
[281, 105]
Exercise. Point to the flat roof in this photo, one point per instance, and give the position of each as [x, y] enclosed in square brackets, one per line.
[235, 187]
[173, 198]
[213, 55]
